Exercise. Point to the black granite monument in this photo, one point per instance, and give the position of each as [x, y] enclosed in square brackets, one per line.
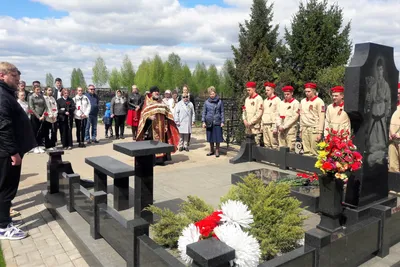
[371, 85]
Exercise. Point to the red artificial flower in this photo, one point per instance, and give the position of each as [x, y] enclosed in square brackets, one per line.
[68, 103]
[348, 159]
[207, 225]
[54, 109]
[30, 111]
[327, 166]
[79, 107]
[338, 154]
[243, 107]
[46, 114]
[355, 166]
[357, 155]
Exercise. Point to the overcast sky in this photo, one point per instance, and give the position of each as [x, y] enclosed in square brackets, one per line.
[41, 36]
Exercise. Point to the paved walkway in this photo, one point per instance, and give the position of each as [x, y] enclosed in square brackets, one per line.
[188, 173]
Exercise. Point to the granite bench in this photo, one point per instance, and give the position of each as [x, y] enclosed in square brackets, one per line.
[107, 166]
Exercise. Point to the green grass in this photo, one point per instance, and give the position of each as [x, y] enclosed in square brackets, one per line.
[2, 261]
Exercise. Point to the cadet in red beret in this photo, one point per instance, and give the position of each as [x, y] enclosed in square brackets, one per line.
[269, 128]
[252, 112]
[394, 138]
[287, 117]
[312, 117]
[336, 118]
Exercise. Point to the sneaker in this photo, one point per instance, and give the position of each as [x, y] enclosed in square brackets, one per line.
[95, 141]
[70, 147]
[51, 149]
[36, 150]
[88, 142]
[12, 233]
[41, 150]
[106, 135]
[187, 149]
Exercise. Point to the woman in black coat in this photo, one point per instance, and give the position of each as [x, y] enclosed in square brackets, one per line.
[66, 108]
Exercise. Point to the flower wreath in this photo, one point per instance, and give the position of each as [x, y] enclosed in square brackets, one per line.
[226, 225]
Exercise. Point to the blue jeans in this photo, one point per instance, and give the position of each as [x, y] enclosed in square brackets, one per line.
[92, 121]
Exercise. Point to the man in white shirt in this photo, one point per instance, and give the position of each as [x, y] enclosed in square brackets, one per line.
[81, 114]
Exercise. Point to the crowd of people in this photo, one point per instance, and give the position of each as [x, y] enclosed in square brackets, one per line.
[31, 120]
[52, 109]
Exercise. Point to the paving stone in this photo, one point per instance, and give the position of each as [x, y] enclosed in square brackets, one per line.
[80, 262]
[68, 264]
[25, 249]
[21, 259]
[75, 256]
[62, 258]
[52, 241]
[68, 246]
[72, 252]
[50, 261]
[8, 254]
[34, 256]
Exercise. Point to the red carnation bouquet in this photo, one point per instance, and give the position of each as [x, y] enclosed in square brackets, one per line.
[46, 114]
[207, 225]
[312, 177]
[30, 111]
[337, 155]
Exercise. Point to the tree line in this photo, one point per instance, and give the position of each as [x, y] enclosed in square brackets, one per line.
[314, 49]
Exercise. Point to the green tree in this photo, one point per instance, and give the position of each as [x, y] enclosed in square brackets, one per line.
[74, 79]
[199, 78]
[157, 71]
[142, 75]
[100, 72]
[49, 80]
[227, 82]
[187, 75]
[317, 39]
[176, 69]
[82, 80]
[212, 77]
[328, 78]
[257, 38]
[127, 73]
[115, 79]
[168, 76]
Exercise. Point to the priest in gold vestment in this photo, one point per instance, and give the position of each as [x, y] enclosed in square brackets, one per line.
[157, 123]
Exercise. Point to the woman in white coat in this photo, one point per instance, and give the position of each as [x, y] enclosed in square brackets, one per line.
[81, 114]
[184, 119]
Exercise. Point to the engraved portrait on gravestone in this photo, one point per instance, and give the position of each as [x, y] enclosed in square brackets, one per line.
[377, 110]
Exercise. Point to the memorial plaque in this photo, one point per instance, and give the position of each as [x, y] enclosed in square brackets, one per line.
[370, 100]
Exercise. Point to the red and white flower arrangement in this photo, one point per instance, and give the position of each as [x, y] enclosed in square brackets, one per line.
[226, 225]
[337, 155]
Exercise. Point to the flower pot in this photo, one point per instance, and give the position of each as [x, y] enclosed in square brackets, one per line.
[330, 203]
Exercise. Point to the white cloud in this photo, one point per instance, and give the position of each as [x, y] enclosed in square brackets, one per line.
[202, 33]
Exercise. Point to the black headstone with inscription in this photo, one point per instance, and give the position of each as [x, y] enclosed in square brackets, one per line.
[370, 100]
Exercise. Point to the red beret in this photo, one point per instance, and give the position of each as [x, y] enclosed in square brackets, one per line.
[251, 85]
[337, 89]
[269, 84]
[288, 88]
[310, 85]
